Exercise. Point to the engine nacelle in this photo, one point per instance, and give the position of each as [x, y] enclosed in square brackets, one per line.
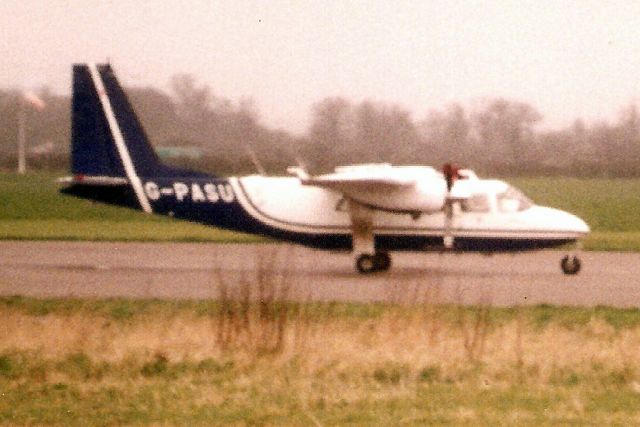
[427, 195]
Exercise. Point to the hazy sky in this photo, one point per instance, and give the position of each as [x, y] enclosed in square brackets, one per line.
[568, 59]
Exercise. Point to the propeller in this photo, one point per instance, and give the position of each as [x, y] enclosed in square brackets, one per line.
[300, 170]
[451, 174]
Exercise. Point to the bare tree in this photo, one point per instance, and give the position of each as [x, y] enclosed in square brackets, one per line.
[506, 130]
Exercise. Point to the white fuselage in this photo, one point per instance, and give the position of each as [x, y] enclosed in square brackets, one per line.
[284, 203]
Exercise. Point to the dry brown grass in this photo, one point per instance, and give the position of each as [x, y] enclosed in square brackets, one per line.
[306, 363]
[253, 354]
[399, 337]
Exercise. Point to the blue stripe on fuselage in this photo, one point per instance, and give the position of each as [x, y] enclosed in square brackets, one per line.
[212, 201]
[204, 200]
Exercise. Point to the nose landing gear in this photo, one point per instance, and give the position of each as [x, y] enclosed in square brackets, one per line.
[380, 261]
[570, 264]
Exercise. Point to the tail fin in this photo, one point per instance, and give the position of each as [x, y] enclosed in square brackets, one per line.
[106, 134]
[109, 145]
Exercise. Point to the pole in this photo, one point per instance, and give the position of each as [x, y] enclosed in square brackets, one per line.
[22, 137]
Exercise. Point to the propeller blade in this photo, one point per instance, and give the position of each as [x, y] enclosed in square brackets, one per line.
[448, 238]
[450, 173]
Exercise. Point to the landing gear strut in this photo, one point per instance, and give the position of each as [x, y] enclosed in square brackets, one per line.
[570, 264]
[380, 261]
[367, 259]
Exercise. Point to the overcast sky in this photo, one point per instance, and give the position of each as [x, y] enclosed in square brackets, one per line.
[568, 59]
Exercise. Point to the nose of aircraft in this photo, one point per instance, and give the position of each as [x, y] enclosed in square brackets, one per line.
[577, 224]
[556, 221]
[565, 221]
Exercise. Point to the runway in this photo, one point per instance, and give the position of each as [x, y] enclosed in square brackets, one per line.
[194, 271]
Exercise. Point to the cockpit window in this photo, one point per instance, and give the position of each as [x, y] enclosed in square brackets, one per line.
[478, 202]
[512, 200]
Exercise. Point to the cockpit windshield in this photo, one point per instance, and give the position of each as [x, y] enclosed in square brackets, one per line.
[512, 200]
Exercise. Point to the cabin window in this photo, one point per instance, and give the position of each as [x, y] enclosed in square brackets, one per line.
[512, 200]
[478, 202]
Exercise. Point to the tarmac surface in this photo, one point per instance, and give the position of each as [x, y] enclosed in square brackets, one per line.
[204, 270]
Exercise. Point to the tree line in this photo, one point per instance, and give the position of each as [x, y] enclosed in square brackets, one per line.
[497, 137]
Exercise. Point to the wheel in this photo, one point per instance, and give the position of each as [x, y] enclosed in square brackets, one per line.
[382, 261]
[366, 263]
[570, 264]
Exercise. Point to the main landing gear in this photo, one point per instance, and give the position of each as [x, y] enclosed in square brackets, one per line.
[570, 264]
[368, 259]
[380, 261]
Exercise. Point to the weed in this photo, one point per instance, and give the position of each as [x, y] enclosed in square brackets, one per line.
[618, 377]
[518, 346]
[211, 366]
[157, 366]
[6, 366]
[474, 324]
[429, 374]
[122, 311]
[255, 315]
[77, 364]
[390, 373]
[619, 318]
[565, 377]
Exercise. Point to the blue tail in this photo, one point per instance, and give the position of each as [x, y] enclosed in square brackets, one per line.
[94, 151]
[110, 151]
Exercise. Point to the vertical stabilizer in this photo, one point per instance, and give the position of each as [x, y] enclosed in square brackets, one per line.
[103, 118]
[105, 112]
[93, 150]
[109, 145]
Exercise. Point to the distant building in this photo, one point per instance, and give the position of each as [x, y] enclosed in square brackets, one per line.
[170, 152]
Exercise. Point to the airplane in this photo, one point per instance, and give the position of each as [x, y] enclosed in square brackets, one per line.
[368, 209]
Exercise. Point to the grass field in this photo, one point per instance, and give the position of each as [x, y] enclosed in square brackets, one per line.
[115, 362]
[237, 362]
[32, 208]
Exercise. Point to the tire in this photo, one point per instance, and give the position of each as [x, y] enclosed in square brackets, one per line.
[366, 264]
[570, 264]
[382, 261]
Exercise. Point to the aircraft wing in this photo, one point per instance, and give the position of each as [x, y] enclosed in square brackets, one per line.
[356, 184]
[395, 189]
[359, 178]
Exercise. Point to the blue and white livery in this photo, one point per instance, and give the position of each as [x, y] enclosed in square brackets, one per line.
[369, 209]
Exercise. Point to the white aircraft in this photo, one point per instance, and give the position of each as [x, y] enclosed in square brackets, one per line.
[368, 209]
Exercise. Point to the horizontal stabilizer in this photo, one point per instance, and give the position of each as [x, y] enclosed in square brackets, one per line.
[112, 181]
